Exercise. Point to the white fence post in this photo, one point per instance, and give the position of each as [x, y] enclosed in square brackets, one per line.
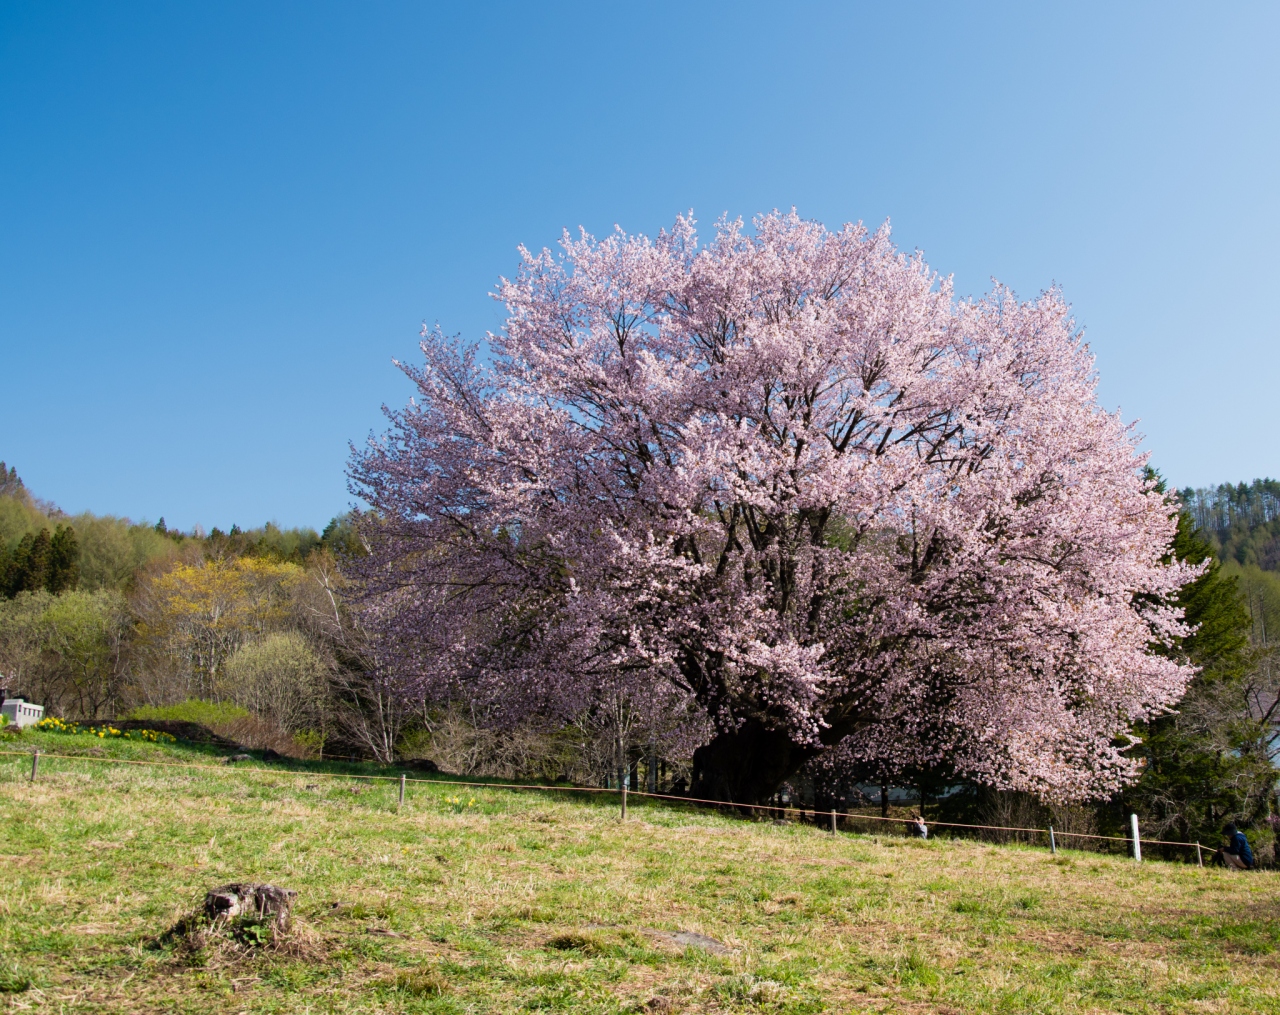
[401, 789]
[1137, 842]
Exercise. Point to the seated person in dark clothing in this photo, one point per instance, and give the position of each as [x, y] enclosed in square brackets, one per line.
[1236, 853]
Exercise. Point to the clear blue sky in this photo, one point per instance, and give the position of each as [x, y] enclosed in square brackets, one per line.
[220, 222]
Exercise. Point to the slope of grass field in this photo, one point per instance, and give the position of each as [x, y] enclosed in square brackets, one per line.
[487, 900]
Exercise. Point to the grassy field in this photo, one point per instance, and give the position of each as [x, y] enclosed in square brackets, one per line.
[502, 901]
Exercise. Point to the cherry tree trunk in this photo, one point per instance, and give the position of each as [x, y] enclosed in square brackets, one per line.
[746, 765]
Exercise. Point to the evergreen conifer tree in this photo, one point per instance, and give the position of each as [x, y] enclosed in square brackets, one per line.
[28, 568]
[10, 484]
[64, 561]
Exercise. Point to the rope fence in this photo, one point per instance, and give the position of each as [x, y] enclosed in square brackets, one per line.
[818, 815]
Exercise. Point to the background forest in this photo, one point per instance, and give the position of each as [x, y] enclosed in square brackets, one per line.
[1242, 527]
[102, 617]
[249, 632]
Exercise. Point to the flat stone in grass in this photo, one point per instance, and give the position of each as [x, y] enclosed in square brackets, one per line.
[689, 938]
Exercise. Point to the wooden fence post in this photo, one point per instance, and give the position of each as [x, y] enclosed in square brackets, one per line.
[833, 821]
[624, 799]
[1199, 855]
[1053, 844]
[1137, 842]
[401, 801]
[35, 764]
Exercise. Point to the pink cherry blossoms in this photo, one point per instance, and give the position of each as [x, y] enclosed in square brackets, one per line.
[780, 493]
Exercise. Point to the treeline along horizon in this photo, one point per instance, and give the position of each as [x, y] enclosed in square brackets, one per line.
[42, 547]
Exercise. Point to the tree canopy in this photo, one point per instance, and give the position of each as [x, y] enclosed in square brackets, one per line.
[786, 484]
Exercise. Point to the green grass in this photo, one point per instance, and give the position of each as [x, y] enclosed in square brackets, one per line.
[206, 713]
[531, 901]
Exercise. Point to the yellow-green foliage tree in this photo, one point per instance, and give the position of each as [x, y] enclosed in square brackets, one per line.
[85, 634]
[21, 636]
[280, 679]
[1261, 593]
[114, 550]
[18, 518]
[69, 651]
[199, 615]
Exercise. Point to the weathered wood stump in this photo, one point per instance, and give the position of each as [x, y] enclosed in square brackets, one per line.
[266, 902]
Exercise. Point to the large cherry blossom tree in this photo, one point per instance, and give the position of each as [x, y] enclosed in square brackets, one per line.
[786, 490]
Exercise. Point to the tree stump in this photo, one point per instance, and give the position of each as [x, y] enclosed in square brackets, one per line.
[266, 902]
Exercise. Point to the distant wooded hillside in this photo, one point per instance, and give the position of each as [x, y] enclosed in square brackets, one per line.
[1242, 523]
[42, 547]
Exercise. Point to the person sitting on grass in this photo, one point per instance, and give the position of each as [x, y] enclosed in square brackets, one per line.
[917, 828]
[1236, 853]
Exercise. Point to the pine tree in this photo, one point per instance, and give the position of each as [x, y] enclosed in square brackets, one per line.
[42, 561]
[64, 561]
[28, 568]
[10, 484]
